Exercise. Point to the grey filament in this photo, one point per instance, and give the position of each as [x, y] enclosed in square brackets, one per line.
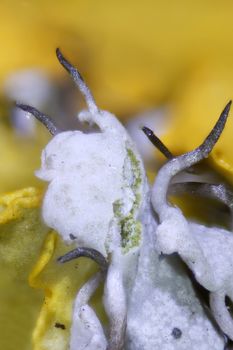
[215, 133]
[79, 81]
[200, 152]
[213, 191]
[206, 147]
[88, 253]
[157, 142]
[44, 119]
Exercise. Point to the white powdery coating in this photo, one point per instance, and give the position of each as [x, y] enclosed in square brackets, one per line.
[162, 299]
[86, 177]
[174, 235]
[87, 332]
[207, 252]
[217, 246]
[115, 301]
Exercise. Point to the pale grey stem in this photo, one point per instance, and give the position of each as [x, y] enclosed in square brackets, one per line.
[88, 253]
[220, 312]
[115, 303]
[225, 337]
[117, 335]
[79, 81]
[44, 119]
[87, 290]
[86, 328]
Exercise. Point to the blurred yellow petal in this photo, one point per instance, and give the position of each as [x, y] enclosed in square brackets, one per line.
[133, 53]
[21, 237]
[60, 284]
[195, 111]
[20, 157]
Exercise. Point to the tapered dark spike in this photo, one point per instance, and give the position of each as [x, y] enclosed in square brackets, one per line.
[79, 81]
[185, 161]
[210, 141]
[44, 119]
[88, 253]
[189, 159]
[157, 142]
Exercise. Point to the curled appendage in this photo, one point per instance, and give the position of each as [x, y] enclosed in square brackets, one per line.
[177, 164]
[79, 81]
[86, 328]
[88, 289]
[104, 120]
[227, 343]
[157, 142]
[88, 253]
[44, 119]
[220, 312]
[87, 331]
[174, 234]
[115, 304]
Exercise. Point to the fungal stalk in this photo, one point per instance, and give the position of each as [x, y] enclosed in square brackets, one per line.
[86, 327]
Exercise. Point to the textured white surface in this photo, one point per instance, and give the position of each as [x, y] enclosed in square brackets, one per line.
[88, 173]
[86, 330]
[115, 301]
[162, 299]
[217, 246]
[174, 235]
[86, 180]
[207, 252]
[98, 196]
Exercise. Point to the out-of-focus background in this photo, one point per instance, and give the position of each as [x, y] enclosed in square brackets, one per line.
[168, 61]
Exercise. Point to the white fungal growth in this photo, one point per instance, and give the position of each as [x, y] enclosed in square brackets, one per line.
[96, 180]
[205, 253]
[163, 299]
[98, 198]
[88, 181]
[86, 331]
[115, 302]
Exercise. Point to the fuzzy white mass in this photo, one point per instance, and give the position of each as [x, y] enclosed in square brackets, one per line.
[98, 197]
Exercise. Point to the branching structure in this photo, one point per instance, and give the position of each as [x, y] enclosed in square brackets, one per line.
[98, 198]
